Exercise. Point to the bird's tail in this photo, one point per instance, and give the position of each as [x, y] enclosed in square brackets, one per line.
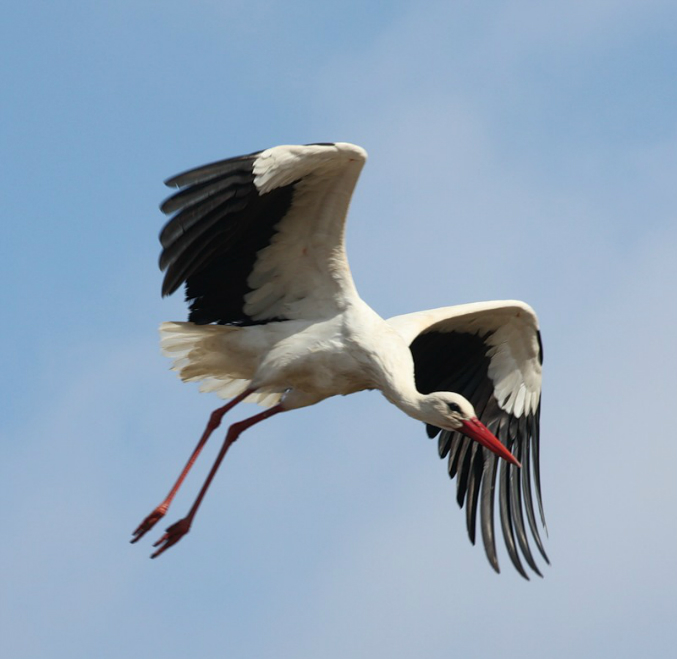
[201, 353]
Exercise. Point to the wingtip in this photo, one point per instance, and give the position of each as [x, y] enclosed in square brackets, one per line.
[166, 289]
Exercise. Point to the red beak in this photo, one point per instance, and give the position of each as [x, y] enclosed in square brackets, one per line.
[476, 430]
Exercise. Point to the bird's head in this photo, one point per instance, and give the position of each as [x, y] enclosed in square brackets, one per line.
[453, 412]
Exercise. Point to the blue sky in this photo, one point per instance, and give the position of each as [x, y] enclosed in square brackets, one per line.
[517, 150]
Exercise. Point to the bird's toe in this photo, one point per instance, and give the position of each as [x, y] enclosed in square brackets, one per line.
[173, 534]
[148, 523]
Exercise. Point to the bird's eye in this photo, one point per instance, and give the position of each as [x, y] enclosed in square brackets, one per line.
[453, 407]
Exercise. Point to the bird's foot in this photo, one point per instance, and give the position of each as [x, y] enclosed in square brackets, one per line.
[149, 522]
[174, 533]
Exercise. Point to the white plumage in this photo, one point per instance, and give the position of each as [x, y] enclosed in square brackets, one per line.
[276, 319]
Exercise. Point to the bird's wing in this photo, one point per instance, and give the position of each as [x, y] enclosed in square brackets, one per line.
[490, 353]
[260, 237]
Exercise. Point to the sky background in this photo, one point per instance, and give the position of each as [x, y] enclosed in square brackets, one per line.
[517, 150]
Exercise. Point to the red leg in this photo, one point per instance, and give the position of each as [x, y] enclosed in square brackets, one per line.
[212, 425]
[177, 530]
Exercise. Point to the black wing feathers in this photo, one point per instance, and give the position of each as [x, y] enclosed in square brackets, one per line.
[458, 361]
[212, 170]
[220, 224]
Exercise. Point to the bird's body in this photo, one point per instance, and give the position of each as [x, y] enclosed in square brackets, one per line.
[312, 360]
[276, 319]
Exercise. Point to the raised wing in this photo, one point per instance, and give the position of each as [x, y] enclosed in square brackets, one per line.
[260, 237]
[491, 353]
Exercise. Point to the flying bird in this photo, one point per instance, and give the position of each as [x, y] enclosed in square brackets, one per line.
[275, 319]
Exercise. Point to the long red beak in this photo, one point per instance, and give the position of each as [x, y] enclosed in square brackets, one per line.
[476, 430]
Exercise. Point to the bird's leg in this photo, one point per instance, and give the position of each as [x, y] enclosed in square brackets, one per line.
[212, 425]
[177, 530]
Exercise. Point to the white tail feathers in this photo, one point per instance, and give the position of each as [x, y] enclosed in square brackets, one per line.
[200, 353]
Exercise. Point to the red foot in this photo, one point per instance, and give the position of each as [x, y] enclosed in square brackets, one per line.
[174, 533]
[149, 523]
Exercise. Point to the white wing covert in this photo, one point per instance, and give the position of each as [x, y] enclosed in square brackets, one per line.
[490, 353]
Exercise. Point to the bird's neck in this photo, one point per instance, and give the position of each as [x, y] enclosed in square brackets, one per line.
[403, 394]
[394, 372]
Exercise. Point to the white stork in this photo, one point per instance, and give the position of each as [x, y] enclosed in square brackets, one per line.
[275, 319]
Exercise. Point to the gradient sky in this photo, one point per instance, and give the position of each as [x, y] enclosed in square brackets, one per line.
[517, 150]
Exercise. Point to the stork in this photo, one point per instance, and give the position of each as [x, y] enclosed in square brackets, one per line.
[275, 319]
